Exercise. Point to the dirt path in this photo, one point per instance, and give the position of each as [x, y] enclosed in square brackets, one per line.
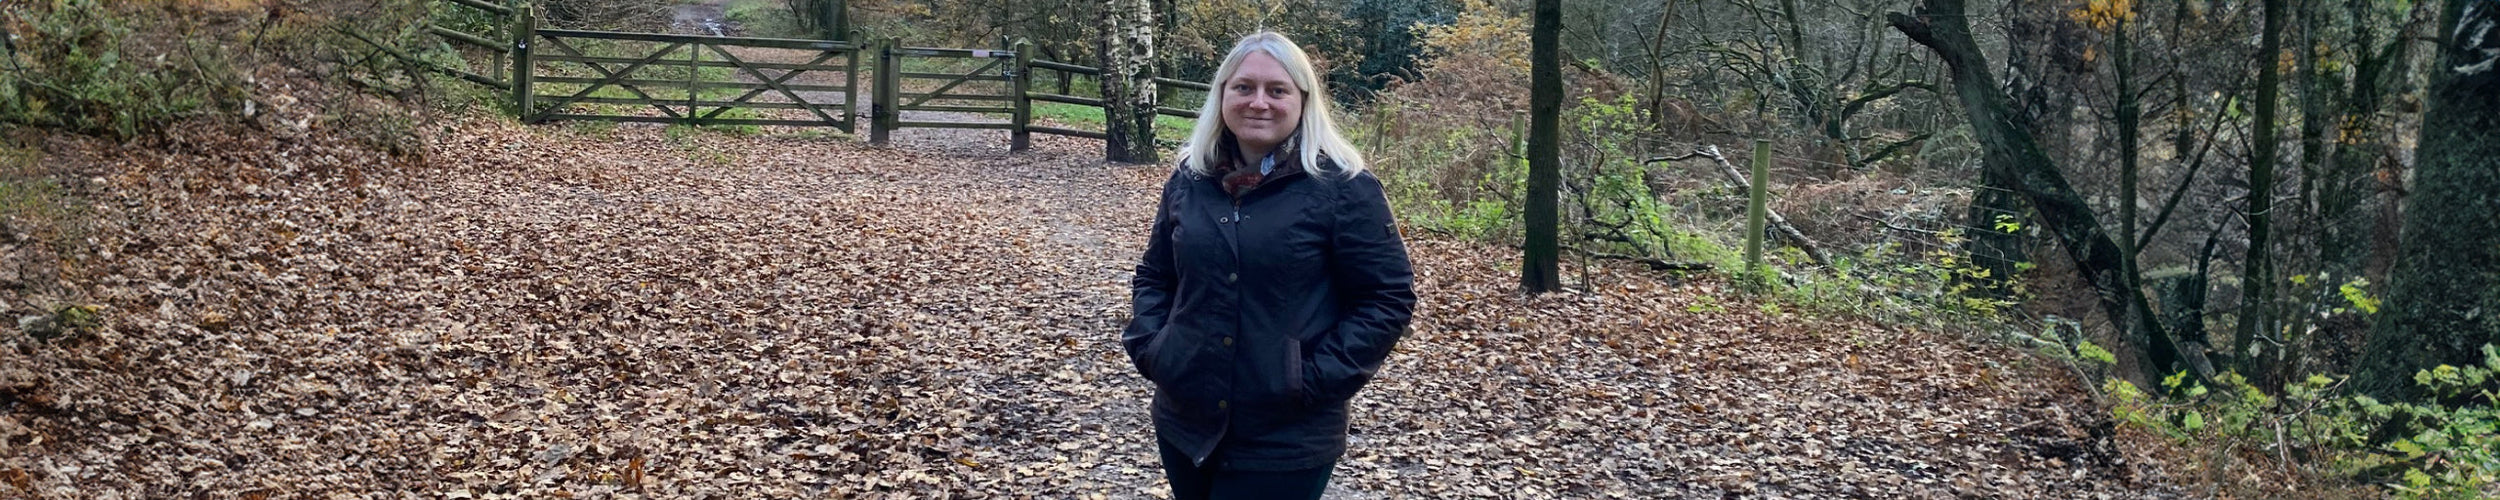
[544, 311]
[703, 18]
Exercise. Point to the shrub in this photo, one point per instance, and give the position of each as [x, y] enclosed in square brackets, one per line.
[77, 65]
[2445, 447]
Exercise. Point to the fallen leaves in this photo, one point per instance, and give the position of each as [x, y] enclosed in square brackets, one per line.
[536, 312]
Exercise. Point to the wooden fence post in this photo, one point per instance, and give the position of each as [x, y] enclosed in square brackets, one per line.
[694, 88]
[850, 99]
[881, 115]
[1757, 196]
[1021, 81]
[525, 29]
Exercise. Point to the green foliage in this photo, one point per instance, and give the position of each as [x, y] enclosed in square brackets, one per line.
[2445, 447]
[1442, 176]
[79, 67]
[1168, 129]
[65, 322]
[2008, 224]
[1964, 278]
[1941, 287]
[2094, 353]
[1706, 304]
[462, 18]
[1476, 220]
[2360, 299]
[1606, 190]
[767, 18]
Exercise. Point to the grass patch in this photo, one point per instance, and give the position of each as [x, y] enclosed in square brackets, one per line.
[35, 206]
[1167, 128]
[26, 192]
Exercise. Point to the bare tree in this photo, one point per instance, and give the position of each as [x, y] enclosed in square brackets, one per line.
[1128, 86]
[1541, 270]
[2015, 162]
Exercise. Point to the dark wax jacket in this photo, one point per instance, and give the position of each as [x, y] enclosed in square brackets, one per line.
[1258, 316]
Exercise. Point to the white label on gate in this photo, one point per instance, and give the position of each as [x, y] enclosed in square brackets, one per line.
[980, 53]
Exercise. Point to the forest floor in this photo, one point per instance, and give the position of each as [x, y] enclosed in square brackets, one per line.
[639, 311]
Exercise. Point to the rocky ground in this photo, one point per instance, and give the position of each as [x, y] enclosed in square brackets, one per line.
[569, 311]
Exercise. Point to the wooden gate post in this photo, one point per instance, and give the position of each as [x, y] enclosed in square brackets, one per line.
[882, 114]
[850, 86]
[694, 81]
[1019, 81]
[524, 29]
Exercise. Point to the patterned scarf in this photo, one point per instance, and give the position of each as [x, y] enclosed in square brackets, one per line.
[1238, 179]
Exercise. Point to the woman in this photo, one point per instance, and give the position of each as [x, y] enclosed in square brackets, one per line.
[1273, 288]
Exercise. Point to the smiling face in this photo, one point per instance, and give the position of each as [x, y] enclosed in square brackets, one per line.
[1262, 107]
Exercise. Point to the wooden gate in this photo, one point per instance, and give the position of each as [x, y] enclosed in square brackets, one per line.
[689, 79]
[483, 26]
[557, 74]
[1066, 71]
[935, 80]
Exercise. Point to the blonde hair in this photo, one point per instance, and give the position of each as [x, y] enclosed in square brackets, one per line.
[1316, 136]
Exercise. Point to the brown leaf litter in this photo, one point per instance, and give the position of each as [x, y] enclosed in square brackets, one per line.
[555, 311]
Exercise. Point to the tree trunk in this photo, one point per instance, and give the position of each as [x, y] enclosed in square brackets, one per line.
[2257, 277]
[2313, 117]
[2129, 116]
[2349, 194]
[1128, 86]
[1541, 270]
[2012, 160]
[2443, 301]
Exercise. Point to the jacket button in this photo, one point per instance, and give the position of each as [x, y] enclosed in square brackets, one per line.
[1222, 405]
[1228, 341]
[1232, 277]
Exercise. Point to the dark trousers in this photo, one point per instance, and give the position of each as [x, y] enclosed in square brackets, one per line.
[1190, 482]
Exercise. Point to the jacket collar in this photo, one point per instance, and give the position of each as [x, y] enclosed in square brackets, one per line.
[1239, 178]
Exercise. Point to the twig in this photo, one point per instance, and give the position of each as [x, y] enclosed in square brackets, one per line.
[1663, 159]
[1888, 225]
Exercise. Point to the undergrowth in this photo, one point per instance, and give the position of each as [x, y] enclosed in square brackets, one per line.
[82, 66]
[2442, 448]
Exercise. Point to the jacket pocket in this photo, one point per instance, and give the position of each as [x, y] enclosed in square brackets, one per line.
[1154, 355]
[1293, 372]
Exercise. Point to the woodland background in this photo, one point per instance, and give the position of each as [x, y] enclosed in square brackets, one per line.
[2259, 166]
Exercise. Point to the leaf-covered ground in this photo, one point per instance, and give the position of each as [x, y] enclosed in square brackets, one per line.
[564, 311]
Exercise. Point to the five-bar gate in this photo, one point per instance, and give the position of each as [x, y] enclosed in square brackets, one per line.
[560, 74]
